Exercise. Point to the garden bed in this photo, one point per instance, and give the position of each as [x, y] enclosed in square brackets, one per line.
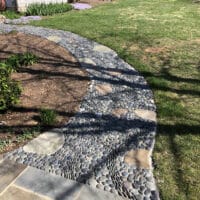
[55, 82]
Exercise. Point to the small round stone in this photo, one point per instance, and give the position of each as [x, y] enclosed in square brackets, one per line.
[124, 174]
[130, 177]
[107, 188]
[100, 186]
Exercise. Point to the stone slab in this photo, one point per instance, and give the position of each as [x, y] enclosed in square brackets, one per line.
[9, 170]
[104, 89]
[49, 185]
[139, 158]
[86, 61]
[54, 38]
[113, 73]
[146, 114]
[103, 49]
[15, 193]
[89, 193]
[46, 143]
[119, 112]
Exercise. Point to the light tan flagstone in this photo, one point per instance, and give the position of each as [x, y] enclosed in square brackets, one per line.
[139, 158]
[46, 143]
[114, 73]
[146, 114]
[104, 89]
[54, 38]
[102, 48]
[87, 61]
[119, 112]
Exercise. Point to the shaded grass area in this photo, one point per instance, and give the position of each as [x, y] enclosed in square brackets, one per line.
[161, 39]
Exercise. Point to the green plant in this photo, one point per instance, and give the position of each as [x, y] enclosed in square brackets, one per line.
[10, 14]
[48, 117]
[9, 90]
[48, 9]
[24, 59]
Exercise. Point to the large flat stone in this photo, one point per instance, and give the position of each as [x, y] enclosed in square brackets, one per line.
[89, 193]
[15, 193]
[101, 48]
[119, 112]
[146, 114]
[54, 38]
[139, 158]
[113, 73]
[46, 143]
[86, 61]
[50, 185]
[9, 170]
[104, 89]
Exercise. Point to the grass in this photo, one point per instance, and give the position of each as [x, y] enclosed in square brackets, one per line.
[9, 14]
[161, 39]
[19, 139]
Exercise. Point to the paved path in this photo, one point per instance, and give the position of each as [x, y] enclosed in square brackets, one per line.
[18, 182]
[108, 143]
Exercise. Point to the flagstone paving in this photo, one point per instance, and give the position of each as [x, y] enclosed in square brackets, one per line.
[33, 184]
[108, 143]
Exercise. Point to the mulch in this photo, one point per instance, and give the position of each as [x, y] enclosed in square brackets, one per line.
[55, 82]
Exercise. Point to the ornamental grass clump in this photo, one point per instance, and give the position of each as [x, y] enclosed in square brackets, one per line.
[48, 117]
[47, 9]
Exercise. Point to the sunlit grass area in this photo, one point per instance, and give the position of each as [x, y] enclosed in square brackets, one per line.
[161, 39]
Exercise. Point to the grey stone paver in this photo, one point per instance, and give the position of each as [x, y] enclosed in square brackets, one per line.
[96, 139]
[9, 170]
[58, 188]
[46, 143]
[88, 193]
[16, 193]
[49, 185]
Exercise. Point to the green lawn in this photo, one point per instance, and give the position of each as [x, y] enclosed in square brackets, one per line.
[161, 39]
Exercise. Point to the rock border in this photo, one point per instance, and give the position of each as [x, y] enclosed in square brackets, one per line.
[116, 117]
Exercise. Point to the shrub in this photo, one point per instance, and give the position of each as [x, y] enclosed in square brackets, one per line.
[9, 90]
[47, 9]
[21, 60]
[48, 117]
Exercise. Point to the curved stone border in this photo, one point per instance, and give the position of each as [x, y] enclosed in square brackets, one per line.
[108, 143]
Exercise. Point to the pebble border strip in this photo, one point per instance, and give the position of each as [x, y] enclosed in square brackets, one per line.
[95, 139]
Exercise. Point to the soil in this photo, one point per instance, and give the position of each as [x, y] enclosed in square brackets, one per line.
[55, 82]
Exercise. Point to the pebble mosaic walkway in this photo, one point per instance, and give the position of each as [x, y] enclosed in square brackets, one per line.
[108, 143]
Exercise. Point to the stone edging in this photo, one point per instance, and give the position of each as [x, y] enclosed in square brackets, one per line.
[108, 143]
